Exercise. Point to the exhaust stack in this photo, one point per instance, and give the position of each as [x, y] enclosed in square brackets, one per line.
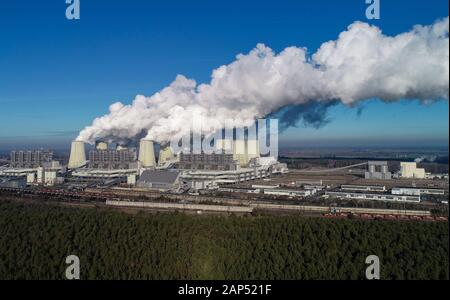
[147, 154]
[77, 155]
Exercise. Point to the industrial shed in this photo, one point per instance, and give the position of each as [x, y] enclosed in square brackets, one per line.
[164, 180]
[13, 182]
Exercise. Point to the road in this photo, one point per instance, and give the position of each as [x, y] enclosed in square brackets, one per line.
[330, 170]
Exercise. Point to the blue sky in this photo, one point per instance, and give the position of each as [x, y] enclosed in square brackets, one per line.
[57, 75]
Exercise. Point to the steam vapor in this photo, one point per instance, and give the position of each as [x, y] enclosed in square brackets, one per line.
[361, 64]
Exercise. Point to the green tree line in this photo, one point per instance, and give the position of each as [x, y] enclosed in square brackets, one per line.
[35, 239]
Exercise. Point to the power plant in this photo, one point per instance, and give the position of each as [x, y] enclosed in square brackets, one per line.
[229, 169]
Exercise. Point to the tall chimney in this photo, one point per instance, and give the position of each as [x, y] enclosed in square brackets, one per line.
[165, 154]
[77, 155]
[147, 154]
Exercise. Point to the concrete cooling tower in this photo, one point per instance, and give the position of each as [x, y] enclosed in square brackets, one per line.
[102, 146]
[240, 152]
[225, 146]
[253, 150]
[165, 154]
[147, 154]
[77, 155]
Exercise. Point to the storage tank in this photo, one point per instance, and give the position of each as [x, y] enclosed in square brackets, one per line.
[77, 155]
[147, 154]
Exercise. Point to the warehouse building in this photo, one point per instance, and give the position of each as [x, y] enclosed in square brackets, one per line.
[417, 191]
[410, 170]
[13, 182]
[364, 188]
[200, 180]
[374, 197]
[289, 193]
[161, 180]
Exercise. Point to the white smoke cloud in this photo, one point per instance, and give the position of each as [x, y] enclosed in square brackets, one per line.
[361, 64]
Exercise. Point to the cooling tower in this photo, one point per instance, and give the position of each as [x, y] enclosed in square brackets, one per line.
[225, 146]
[77, 155]
[102, 146]
[147, 154]
[253, 149]
[240, 152]
[165, 154]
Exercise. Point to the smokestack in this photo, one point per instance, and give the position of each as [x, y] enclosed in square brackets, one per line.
[165, 154]
[147, 154]
[102, 146]
[77, 155]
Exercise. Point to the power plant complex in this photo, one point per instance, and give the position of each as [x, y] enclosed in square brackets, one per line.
[234, 162]
[234, 167]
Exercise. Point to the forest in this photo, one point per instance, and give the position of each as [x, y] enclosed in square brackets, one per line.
[36, 238]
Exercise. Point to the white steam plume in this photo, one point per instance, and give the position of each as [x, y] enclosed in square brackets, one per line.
[361, 64]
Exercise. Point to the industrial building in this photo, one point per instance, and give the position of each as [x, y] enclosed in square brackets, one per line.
[162, 180]
[410, 170]
[200, 180]
[215, 162]
[127, 175]
[30, 159]
[374, 197]
[35, 166]
[417, 191]
[113, 159]
[236, 161]
[378, 170]
[289, 193]
[13, 182]
[309, 182]
[364, 188]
